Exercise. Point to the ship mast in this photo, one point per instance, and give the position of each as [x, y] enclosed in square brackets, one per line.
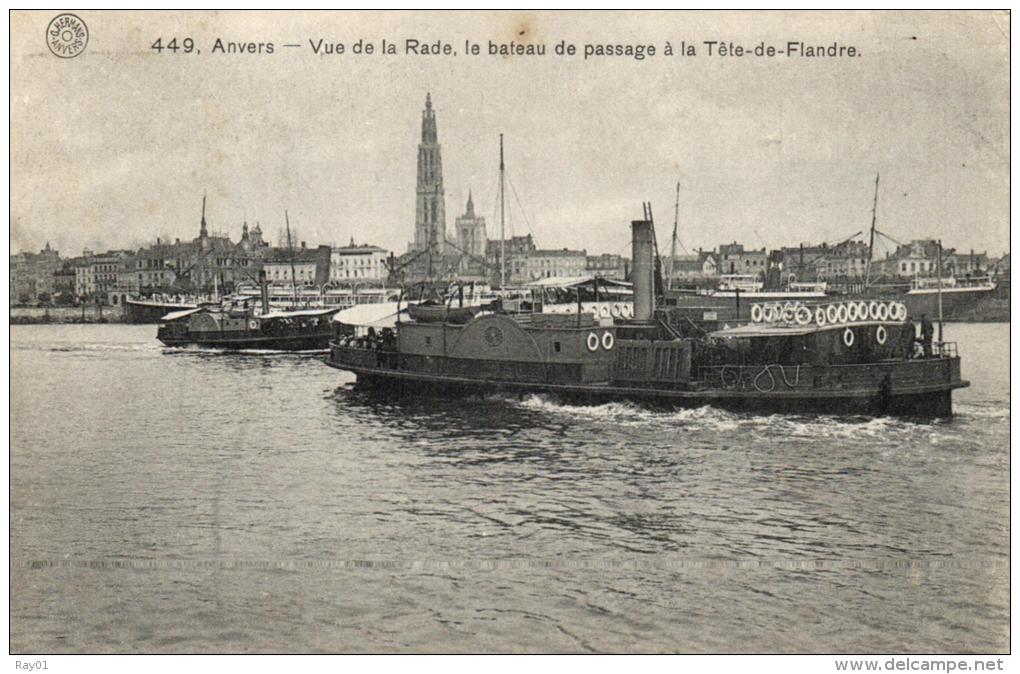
[290, 247]
[672, 245]
[871, 239]
[939, 271]
[502, 222]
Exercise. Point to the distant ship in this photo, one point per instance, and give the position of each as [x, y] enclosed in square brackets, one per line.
[237, 323]
[956, 295]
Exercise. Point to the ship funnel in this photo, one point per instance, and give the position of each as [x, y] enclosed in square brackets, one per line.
[643, 275]
[264, 287]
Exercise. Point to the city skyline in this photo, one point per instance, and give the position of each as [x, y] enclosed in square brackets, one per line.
[767, 154]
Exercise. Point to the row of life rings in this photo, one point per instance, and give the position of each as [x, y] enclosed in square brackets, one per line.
[606, 342]
[622, 310]
[795, 313]
[881, 336]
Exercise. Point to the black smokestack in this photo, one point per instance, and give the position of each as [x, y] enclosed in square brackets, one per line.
[264, 287]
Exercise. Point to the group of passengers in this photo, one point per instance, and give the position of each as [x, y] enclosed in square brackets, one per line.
[384, 340]
[914, 346]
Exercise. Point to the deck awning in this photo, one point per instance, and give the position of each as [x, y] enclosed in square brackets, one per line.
[377, 315]
[579, 282]
[174, 315]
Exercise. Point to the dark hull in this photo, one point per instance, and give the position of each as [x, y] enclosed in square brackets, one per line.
[147, 313]
[310, 342]
[913, 399]
[956, 306]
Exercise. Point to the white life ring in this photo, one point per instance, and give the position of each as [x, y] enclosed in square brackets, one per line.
[880, 334]
[848, 337]
[768, 314]
[604, 311]
[788, 314]
[851, 312]
[803, 315]
[901, 311]
[253, 324]
[862, 311]
[595, 310]
[608, 340]
[626, 311]
[756, 312]
[593, 342]
[820, 316]
[831, 313]
[842, 312]
[883, 312]
[873, 310]
[615, 311]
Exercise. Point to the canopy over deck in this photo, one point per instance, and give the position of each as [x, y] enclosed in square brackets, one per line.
[174, 315]
[578, 282]
[378, 315]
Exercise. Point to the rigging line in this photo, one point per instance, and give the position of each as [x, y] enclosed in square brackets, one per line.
[520, 205]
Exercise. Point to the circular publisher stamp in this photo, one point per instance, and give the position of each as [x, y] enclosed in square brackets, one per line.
[67, 35]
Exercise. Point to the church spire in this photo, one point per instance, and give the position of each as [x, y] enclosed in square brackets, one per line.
[470, 206]
[203, 232]
[428, 122]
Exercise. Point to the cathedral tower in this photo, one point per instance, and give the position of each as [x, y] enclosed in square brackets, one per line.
[430, 215]
[471, 238]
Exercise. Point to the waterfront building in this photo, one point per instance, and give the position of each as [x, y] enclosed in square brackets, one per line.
[105, 270]
[305, 266]
[63, 283]
[606, 265]
[733, 258]
[84, 276]
[355, 263]
[561, 263]
[31, 275]
[518, 249]
[700, 265]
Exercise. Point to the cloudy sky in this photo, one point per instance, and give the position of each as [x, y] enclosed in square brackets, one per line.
[116, 146]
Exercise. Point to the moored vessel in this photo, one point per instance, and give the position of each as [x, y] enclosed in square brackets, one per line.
[238, 323]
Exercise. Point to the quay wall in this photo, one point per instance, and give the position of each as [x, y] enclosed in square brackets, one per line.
[87, 314]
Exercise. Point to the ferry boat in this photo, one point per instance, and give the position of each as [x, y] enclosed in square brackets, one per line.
[851, 357]
[237, 323]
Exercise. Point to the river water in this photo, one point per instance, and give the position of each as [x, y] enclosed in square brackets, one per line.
[189, 501]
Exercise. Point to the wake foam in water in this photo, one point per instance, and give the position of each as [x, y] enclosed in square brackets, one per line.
[205, 350]
[99, 347]
[759, 426]
[627, 413]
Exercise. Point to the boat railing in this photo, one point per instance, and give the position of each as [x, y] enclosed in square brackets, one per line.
[945, 350]
[776, 377]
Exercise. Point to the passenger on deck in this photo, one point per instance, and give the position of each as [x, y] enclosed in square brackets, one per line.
[908, 338]
[927, 333]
